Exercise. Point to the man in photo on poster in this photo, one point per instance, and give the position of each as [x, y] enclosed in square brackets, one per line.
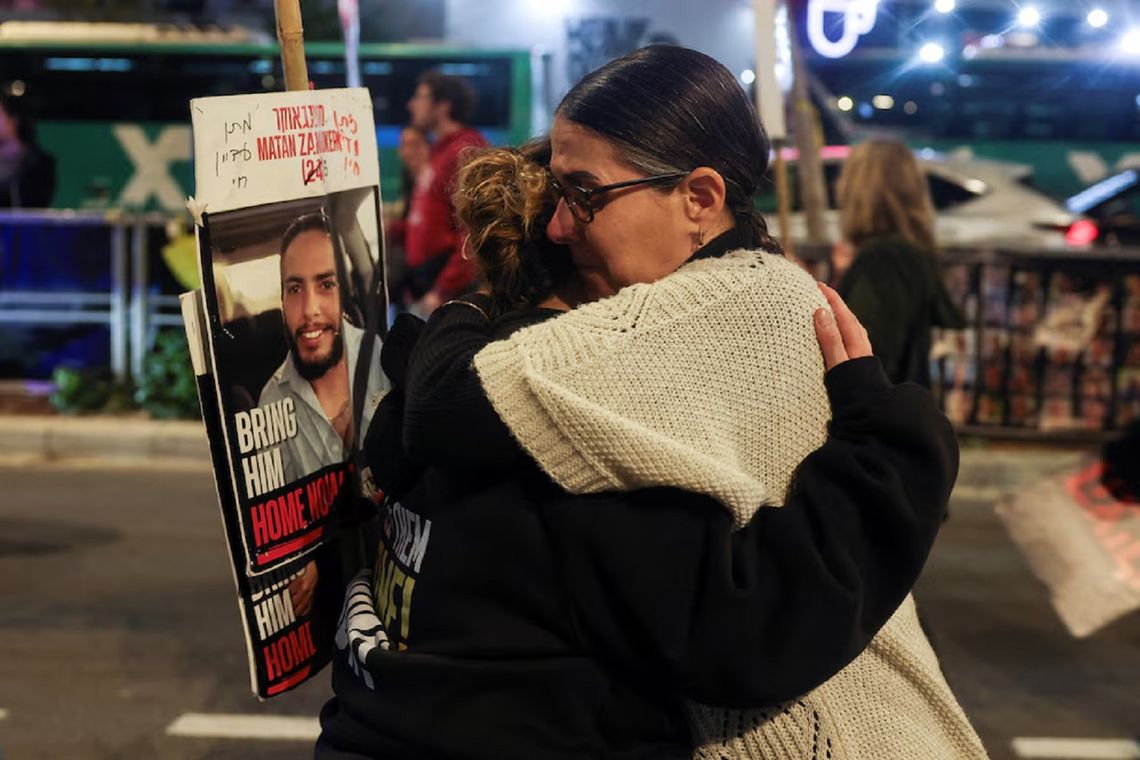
[323, 351]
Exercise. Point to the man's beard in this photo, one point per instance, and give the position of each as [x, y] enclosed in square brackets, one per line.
[316, 369]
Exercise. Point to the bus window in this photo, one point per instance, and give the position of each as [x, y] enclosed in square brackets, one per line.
[105, 107]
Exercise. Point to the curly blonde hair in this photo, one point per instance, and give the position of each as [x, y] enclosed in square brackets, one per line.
[504, 199]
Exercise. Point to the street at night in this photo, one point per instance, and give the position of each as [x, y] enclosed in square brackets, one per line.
[119, 626]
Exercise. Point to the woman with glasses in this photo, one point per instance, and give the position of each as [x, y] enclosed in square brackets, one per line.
[558, 589]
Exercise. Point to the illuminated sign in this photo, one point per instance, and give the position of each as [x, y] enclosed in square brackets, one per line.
[858, 19]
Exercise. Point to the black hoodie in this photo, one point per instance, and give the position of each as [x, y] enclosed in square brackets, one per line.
[524, 622]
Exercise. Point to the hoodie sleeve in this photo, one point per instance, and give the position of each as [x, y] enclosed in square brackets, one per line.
[448, 420]
[661, 585]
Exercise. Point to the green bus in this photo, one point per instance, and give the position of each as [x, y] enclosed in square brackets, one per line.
[112, 101]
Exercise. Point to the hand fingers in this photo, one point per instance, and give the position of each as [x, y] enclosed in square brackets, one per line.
[854, 335]
[302, 599]
[830, 341]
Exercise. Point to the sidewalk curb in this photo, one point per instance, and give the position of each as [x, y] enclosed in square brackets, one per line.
[116, 438]
[137, 439]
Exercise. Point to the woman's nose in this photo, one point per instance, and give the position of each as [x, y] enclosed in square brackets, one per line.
[561, 227]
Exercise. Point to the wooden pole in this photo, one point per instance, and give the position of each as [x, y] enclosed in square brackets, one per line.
[291, 36]
[783, 202]
[770, 105]
[809, 166]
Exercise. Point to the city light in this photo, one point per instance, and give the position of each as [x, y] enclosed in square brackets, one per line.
[883, 102]
[748, 76]
[1097, 18]
[931, 52]
[945, 6]
[910, 107]
[1029, 16]
[1130, 42]
[845, 103]
[858, 19]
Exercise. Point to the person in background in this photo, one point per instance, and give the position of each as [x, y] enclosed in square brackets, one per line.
[442, 106]
[27, 172]
[886, 266]
[414, 151]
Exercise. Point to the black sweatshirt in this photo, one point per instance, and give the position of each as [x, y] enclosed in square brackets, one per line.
[540, 624]
[896, 291]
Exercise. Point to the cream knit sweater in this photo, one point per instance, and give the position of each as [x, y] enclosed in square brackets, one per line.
[711, 380]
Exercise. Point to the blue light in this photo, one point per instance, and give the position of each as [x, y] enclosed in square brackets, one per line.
[88, 64]
[462, 69]
[1102, 191]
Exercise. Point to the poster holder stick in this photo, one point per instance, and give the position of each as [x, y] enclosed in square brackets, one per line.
[291, 36]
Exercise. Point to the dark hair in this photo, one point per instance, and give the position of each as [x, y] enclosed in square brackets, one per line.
[18, 109]
[453, 90]
[313, 221]
[407, 179]
[504, 200]
[670, 109]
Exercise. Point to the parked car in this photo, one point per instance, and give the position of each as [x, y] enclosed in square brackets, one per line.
[978, 202]
[1113, 204]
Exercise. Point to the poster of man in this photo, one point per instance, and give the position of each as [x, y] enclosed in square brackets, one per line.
[297, 359]
[285, 335]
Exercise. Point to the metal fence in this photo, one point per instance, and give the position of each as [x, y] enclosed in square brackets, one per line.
[124, 303]
[1052, 350]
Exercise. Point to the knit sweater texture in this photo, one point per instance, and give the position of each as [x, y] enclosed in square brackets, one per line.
[645, 388]
[711, 380]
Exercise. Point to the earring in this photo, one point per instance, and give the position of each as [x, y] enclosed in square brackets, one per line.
[700, 236]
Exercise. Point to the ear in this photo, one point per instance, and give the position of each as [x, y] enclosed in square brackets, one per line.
[704, 193]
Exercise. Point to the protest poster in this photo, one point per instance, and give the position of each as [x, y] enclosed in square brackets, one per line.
[288, 335]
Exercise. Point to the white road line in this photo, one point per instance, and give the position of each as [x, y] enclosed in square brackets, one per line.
[1047, 748]
[221, 726]
[980, 493]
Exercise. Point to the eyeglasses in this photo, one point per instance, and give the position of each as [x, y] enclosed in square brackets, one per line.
[581, 200]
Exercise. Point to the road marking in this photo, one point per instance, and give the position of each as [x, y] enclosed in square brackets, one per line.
[980, 493]
[221, 726]
[1076, 749]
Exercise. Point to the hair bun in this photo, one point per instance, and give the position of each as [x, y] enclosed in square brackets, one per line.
[502, 198]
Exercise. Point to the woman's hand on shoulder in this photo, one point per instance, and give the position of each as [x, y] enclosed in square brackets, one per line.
[842, 336]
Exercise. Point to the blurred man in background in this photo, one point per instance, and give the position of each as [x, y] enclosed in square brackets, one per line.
[442, 106]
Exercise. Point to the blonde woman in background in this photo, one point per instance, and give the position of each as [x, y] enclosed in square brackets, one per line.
[886, 265]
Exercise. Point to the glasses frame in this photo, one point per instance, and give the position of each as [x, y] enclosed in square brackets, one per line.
[586, 205]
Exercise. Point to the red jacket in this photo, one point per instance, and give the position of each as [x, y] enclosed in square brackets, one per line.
[431, 229]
